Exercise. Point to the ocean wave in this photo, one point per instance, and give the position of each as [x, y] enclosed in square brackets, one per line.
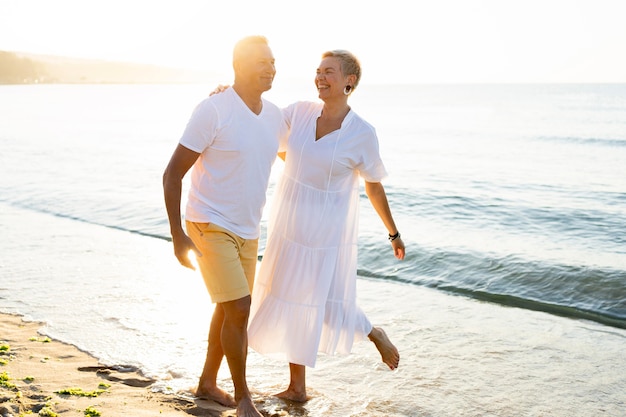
[583, 292]
[578, 291]
[85, 219]
[585, 140]
[589, 219]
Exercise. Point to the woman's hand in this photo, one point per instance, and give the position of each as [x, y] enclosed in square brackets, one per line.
[398, 248]
[220, 89]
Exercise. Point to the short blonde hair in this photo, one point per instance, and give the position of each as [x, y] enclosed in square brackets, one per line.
[350, 64]
[241, 47]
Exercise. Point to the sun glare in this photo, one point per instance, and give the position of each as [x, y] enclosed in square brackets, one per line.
[450, 41]
[193, 259]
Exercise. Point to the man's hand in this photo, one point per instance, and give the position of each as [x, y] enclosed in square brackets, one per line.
[183, 247]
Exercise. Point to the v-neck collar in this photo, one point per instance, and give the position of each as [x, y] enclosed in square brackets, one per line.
[243, 103]
[344, 123]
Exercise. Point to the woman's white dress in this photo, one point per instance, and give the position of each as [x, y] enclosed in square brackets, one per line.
[304, 298]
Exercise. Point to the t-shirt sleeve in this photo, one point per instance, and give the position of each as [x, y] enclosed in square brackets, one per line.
[201, 128]
[288, 115]
[285, 128]
[371, 166]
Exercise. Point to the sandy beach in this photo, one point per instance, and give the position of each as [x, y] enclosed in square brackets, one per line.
[36, 373]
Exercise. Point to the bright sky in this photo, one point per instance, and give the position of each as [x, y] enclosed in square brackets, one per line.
[415, 41]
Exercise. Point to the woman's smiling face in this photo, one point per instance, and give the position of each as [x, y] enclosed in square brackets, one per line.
[329, 79]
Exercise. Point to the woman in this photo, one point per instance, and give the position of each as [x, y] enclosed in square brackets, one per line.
[304, 299]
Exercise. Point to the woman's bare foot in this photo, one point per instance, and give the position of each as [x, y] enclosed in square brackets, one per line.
[216, 394]
[293, 395]
[296, 391]
[246, 408]
[387, 350]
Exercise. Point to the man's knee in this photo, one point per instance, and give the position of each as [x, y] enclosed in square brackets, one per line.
[237, 311]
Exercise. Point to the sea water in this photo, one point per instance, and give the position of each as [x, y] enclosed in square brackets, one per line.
[511, 200]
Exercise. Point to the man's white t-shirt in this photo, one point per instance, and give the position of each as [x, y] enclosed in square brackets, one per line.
[237, 149]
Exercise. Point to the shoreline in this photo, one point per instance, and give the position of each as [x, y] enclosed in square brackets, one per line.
[117, 298]
[35, 371]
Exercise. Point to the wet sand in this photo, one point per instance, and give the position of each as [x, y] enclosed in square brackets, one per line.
[36, 373]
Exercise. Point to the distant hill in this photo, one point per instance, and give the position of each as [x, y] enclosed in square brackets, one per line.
[23, 68]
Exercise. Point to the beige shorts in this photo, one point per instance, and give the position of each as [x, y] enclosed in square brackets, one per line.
[228, 262]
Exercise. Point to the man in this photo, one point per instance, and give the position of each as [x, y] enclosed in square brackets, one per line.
[231, 141]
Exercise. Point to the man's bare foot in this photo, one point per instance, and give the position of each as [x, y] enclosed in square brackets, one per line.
[293, 395]
[216, 394]
[387, 350]
[246, 408]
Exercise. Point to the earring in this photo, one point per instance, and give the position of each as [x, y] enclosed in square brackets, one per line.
[347, 89]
